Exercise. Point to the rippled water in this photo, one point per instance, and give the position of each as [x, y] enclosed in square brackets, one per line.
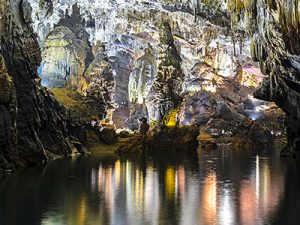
[216, 187]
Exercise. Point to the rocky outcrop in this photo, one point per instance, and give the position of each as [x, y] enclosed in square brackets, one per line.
[142, 77]
[214, 38]
[8, 116]
[167, 86]
[161, 139]
[96, 89]
[100, 80]
[274, 29]
[64, 58]
[122, 66]
[42, 124]
[140, 83]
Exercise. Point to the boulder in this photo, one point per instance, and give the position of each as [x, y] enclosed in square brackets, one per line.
[108, 136]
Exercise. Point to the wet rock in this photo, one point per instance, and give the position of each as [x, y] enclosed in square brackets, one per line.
[246, 134]
[136, 144]
[183, 138]
[8, 113]
[125, 134]
[161, 139]
[108, 135]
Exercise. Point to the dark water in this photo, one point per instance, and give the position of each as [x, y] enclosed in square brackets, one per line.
[217, 187]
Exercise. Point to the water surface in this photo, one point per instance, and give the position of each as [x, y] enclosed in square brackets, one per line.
[213, 187]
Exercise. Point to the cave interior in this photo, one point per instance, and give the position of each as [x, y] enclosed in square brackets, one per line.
[215, 72]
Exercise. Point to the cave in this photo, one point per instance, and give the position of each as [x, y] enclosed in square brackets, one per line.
[149, 112]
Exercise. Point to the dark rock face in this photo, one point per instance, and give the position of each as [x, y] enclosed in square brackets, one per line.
[108, 136]
[8, 113]
[162, 139]
[182, 138]
[42, 124]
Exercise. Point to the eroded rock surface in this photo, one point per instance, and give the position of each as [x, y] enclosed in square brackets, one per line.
[41, 124]
[202, 46]
[64, 59]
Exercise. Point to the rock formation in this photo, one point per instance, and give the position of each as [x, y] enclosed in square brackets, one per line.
[8, 114]
[100, 80]
[64, 59]
[203, 50]
[43, 127]
[165, 92]
[140, 84]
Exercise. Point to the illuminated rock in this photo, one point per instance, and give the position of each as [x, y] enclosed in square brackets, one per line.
[42, 124]
[63, 59]
[141, 79]
[204, 47]
[140, 83]
[167, 86]
[100, 79]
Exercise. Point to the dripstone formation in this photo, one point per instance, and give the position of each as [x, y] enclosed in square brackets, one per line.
[174, 62]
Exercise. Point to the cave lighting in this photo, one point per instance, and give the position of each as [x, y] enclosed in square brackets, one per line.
[227, 209]
[170, 182]
[140, 99]
[209, 196]
[171, 118]
[211, 88]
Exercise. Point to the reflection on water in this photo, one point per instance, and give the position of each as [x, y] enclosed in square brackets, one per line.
[217, 187]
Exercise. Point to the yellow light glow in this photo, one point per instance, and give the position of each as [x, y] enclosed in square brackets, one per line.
[170, 182]
[171, 118]
[82, 211]
[83, 85]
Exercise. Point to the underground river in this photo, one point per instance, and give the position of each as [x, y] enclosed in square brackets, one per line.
[215, 187]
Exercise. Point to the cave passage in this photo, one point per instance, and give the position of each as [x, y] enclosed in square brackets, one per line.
[149, 112]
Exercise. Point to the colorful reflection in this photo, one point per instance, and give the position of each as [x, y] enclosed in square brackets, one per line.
[212, 192]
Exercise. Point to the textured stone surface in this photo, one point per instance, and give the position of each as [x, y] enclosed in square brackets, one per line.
[202, 45]
[100, 80]
[42, 124]
[165, 94]
[161, 139]
[64, 59]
